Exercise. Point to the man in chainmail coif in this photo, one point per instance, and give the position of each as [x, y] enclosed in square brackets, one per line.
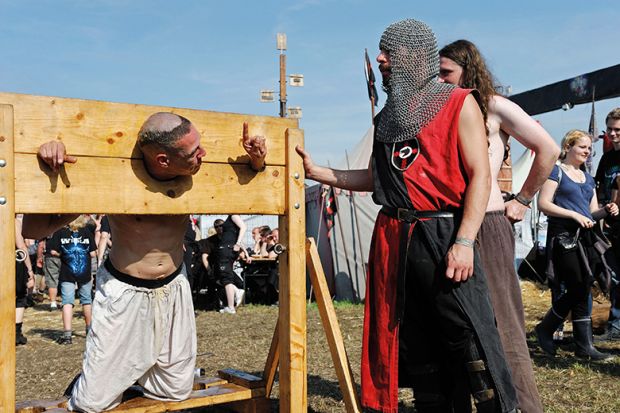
[428, 321]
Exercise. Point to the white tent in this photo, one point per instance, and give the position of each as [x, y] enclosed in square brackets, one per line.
[350, 237]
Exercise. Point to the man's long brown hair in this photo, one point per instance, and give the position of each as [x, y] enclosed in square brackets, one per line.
[475, 73]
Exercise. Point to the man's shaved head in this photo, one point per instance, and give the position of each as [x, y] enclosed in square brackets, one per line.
[163, 129]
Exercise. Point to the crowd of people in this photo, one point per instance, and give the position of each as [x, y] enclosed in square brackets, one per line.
[443, 312]
[67, 262]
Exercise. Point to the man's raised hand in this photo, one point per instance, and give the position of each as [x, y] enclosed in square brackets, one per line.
[253, 145]
[54, 154]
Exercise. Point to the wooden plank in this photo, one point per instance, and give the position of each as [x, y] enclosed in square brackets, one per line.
[242, 378]
[260, 405]
[35, 406]
[273, 358]
[97, 128]
[7, 263]
[214, 395]
[292, 315]
[122, 186]
[204, 382]
[223, 393]
[141, 405]
[332, 329]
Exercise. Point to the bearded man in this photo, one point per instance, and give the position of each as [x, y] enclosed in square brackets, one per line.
[428, 321]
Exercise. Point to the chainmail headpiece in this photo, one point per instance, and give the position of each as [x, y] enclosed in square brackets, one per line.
[414, 94]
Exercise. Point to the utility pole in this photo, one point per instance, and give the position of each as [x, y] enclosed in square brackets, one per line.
[281, 46]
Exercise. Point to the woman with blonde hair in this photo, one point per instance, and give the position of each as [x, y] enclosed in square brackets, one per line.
[568, 198]
[75, 245]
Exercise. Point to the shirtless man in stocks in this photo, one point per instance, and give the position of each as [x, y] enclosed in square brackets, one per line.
[143, 326]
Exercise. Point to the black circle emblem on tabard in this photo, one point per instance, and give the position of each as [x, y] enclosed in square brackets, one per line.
[404, 153]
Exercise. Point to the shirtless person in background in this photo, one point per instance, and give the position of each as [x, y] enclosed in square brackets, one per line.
[143, 326]
[462, 64]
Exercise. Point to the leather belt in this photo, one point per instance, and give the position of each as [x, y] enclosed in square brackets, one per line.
[412, 215]
[407, 217]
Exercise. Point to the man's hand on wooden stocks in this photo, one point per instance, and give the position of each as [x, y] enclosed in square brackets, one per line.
[54, 154]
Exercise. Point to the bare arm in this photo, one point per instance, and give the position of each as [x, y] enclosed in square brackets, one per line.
[473, 149]
[601, 212]
[21, 244]
[360, 180]
[205, 261]
[40, 225]
[515, 122]
[236, 219]
[102, 245]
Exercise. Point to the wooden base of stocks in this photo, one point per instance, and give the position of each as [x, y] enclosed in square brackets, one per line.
[236, 390]
[233, 389]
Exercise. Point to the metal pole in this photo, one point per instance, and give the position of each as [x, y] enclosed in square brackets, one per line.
[282, 85]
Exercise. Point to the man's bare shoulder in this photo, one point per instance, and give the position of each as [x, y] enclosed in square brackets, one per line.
[504, 109]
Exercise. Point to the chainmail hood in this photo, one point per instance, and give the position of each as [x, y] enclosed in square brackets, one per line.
[414, 94]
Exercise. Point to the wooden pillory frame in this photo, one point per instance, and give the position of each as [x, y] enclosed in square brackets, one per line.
[109, 177]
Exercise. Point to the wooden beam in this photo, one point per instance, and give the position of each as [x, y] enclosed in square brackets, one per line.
[122, 186]
[7, 262]
[201, 383]
[292, 316]
[241, 378]
[96, 128]
[273, 358]
[332, 329]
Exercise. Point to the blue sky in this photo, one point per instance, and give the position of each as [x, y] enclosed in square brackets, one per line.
[218, 55]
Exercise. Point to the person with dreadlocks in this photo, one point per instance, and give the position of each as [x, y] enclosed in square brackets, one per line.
[428, 321]
[461, 64]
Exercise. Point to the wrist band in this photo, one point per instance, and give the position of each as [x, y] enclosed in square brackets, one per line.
[464, 241]
[523, 200]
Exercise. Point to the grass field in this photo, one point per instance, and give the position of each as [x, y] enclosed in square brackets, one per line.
[566, 384]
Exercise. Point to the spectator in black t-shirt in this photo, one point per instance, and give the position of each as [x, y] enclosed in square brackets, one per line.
[208, 250]
[75, 245]
[607, 176]
[230, 247]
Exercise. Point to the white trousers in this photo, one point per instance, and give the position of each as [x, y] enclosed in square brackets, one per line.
[137, 335]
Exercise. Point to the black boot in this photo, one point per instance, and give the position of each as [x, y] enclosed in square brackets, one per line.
[20, 339]
[545, 329]
[582, 332]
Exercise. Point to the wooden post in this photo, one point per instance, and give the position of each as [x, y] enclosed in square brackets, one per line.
[292, 318]
[7, 261]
